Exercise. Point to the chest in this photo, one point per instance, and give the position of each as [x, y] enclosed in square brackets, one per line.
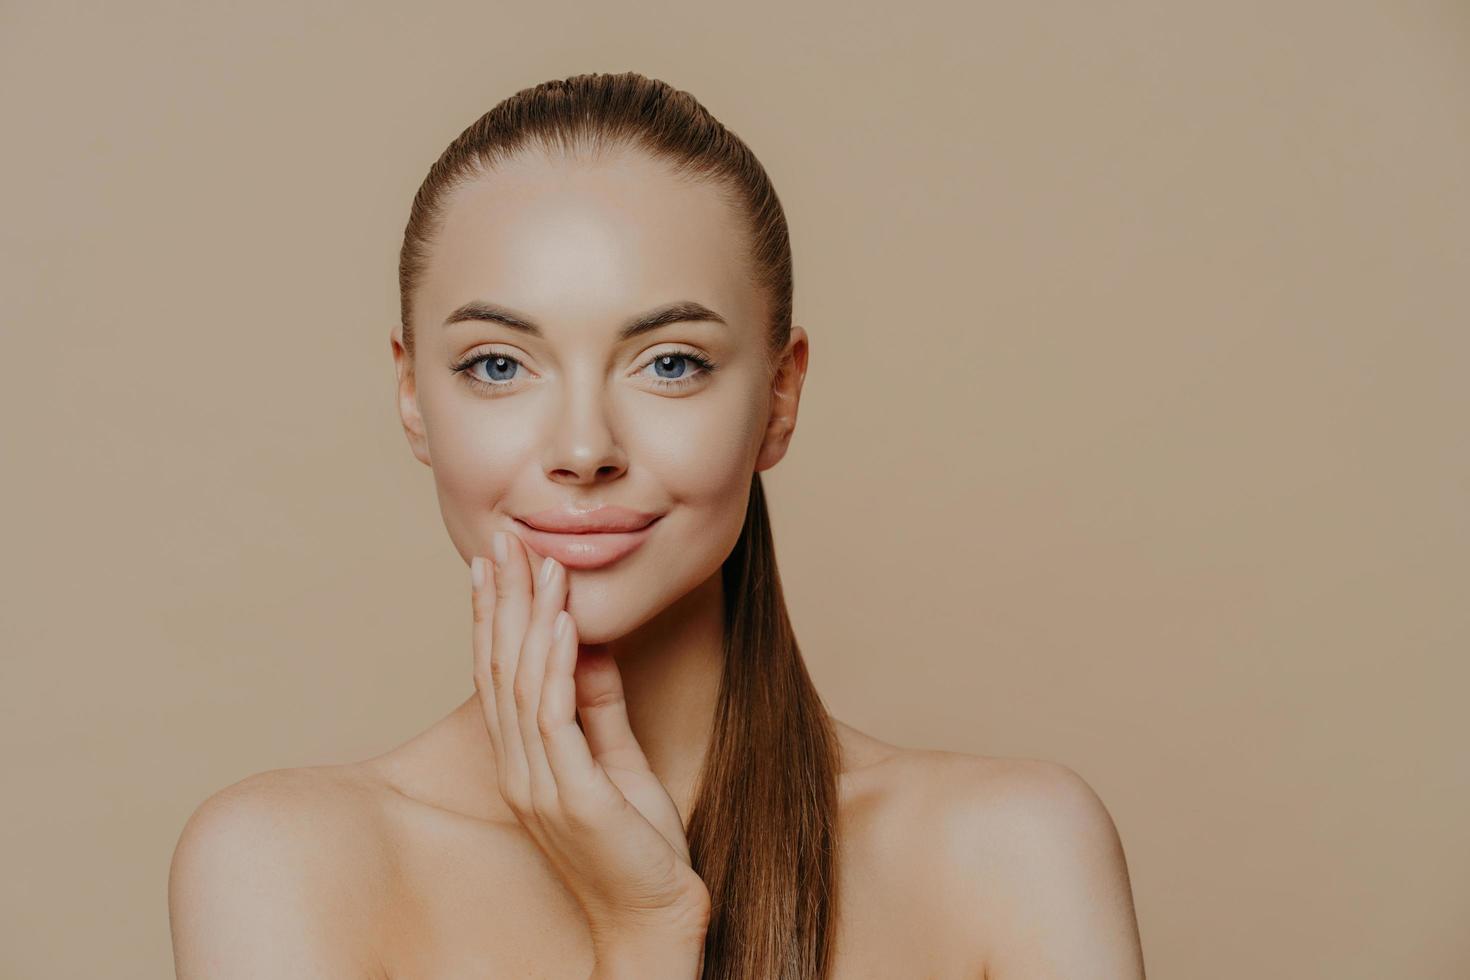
[483, 902]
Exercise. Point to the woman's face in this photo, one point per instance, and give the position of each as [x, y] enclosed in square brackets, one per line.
[573, 411]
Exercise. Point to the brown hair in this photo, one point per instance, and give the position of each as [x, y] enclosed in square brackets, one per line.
[763, 829]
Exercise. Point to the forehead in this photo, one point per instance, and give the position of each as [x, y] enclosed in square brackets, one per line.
[585, 243]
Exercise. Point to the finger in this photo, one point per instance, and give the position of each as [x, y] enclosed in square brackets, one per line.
[550, 597]
[482, 600]
[604, 712]
[512, 609]
[579, 779]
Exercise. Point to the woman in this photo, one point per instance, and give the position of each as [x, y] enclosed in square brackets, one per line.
[596, 359]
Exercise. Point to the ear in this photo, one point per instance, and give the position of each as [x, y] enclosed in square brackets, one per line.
[785, 396]
[408, 402]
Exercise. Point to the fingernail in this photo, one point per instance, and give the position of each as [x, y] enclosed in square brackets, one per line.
[547, 567]
[498, 545]
[477, 572]
[562, 619]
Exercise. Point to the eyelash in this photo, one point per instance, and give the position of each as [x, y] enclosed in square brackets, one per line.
[464, 367]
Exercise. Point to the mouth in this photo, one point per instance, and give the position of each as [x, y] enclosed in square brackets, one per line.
[585, 549]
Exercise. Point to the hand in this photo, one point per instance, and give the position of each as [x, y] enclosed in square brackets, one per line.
[586, 795]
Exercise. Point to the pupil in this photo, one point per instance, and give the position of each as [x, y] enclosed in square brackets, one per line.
[670, 357]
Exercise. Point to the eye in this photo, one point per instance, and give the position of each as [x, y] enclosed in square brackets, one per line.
[499, 372]
[671, 369]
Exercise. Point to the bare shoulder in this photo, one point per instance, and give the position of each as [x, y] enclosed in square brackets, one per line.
[1039, 860]
[958, 785]
[1013, 865]
[963, 802]
[1001, 795]
[275, 875]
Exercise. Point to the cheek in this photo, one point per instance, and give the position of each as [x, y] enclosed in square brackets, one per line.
[701, 453]
[475, 453]
[476, 456]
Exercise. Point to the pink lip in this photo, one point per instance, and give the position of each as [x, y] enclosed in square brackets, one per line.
[586, 539]
[582, 521]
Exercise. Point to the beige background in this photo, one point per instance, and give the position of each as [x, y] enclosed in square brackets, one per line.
[1134, 436]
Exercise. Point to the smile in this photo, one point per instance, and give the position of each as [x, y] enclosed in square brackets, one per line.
[586, 549]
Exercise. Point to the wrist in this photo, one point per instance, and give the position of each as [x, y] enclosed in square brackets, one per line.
[675, 957]
[679, 927]
[650, 944]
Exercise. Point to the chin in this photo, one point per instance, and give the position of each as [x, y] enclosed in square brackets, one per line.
[600, 611]
[600, 624]
[612, 607]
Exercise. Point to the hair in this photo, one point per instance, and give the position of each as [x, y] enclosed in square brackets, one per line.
[763, 829]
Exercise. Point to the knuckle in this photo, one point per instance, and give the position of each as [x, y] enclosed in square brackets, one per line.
[605, 699]
[544, 805]
[502, 586]
[546, 723]
[496, 670]
[518, 799]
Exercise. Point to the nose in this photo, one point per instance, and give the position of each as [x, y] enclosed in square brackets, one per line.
[583, 448]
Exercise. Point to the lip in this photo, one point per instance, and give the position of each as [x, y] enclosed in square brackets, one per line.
[611, 534]
[603, 519]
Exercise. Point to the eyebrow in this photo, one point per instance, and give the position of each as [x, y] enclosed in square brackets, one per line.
[678, 312]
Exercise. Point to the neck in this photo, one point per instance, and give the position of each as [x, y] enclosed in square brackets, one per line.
[671, 668]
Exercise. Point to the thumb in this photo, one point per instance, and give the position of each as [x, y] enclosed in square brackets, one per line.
[604, 711]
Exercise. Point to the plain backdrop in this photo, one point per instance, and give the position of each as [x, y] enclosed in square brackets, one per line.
[1134, 436]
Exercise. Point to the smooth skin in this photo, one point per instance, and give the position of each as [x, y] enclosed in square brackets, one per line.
[443, 858]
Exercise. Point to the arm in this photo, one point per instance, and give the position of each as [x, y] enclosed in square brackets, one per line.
[1056, 881]
[254, 892]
